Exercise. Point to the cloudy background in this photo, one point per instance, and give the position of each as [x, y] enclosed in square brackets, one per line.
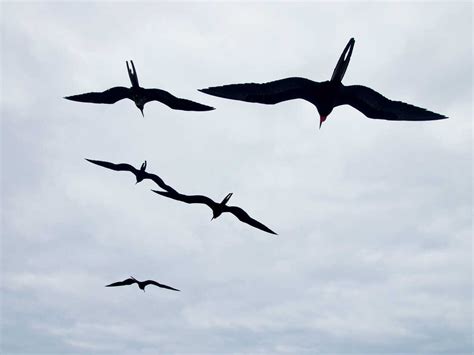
[374, 252]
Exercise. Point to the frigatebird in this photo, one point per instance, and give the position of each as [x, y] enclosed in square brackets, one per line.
[217, 208]
[139, 95]
[326, 95]
[141, 284]
[140, 174]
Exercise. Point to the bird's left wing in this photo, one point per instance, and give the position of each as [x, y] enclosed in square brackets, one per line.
[151, 282]
[109, 96]
[112, 166]
[174, 102]
[244, 217]
[126, 282]
[374, 105]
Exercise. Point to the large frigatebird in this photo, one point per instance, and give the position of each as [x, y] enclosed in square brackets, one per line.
[141, 284]
[139, 95]
[217, 208]
[326, 95]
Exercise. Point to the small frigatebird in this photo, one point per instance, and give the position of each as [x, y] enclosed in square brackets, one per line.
[326, 95]
[139, 95]
[141, 284]
[140, 174]
[217, 208]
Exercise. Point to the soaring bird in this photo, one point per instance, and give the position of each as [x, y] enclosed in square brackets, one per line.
[141, 284]
[140, 174]
[217, 208]
[139, 95]
[326, 95]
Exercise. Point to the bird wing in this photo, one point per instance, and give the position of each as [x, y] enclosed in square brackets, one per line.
[112, 166]
[151, 282]
[109, 96]
[173, 102]
[374, 105]
[126, 282]
[159, 181]
[187, 198]
[244, 217]
[267, 93]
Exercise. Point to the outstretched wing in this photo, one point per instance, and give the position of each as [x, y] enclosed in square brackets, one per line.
[151, 282]
[173, 102]
[374, 105]
[112, 166]
[267, 93]
[126, 282]
[187, 198]
[244, 217]
[109, 96]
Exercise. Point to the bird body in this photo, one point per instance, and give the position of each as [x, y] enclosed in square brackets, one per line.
[139, 95]
[326, 95]
[141, 284]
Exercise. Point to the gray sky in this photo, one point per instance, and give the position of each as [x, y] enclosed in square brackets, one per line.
[374, 252]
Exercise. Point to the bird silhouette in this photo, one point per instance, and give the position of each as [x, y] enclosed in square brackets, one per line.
[139, 95]
[140, 174]
[326, 95]
[217, 208]
[141, 284]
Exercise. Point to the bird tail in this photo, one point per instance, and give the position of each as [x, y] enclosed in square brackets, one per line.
[343, 62]
[132, 74]
[226, 199]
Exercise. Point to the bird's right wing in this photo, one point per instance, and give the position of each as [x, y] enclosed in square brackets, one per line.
[174, 102]
[151, 282]
[244, 217]
[374, 105]
[187, 198]
[122, 283]
[267, 93]
[109, 96]
[112, 166]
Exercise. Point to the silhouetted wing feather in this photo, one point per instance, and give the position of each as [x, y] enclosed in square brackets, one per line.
[244, 217]
[159, 181]
[187, 198]
[109, 96]
[374, 105]
[122, 283]
[174, 102]
[151, 282]
[112, 166]
[267, 93]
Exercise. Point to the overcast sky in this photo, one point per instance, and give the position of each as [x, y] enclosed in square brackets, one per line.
[374, 252]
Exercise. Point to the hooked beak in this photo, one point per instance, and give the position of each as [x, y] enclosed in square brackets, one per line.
[321, 120]
[212, 218]
[141, 110]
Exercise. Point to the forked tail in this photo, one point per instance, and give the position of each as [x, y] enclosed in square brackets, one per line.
[132, 74]
[343, 62]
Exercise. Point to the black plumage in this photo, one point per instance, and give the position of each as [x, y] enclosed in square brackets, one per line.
[326, 95]
[139, 95]
[141, 284]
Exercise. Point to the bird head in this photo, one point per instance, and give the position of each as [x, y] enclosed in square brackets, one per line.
[215, 214]
[141, 108]
[323, 115]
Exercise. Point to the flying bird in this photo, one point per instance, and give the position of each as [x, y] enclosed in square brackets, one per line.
[217, 208]
[140, 174]
[141, 284]
[326, 95]
[139, 95]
